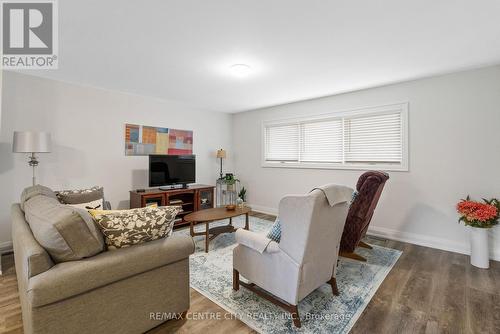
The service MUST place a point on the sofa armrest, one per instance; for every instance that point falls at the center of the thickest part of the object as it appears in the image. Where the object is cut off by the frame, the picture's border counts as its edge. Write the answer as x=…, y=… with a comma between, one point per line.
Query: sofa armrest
x=255, y=241
x=31, y=258
x=68, y=279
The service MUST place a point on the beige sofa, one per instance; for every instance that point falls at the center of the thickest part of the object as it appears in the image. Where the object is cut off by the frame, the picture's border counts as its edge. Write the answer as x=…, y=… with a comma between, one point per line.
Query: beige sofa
x=119, y=291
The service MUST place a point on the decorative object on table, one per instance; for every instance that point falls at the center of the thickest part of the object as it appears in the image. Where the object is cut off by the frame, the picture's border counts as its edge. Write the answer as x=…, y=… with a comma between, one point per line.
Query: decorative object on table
x=242, y=197
x=231, y=207
x=227, y=190
x=210, y=215
x=231, y=181
x=31, y=142
x=146, y=140
x=479, y=217
x=221, y=154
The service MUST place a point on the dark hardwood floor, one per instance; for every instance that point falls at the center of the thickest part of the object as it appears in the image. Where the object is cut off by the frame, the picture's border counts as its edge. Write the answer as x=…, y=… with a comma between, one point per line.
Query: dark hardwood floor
x=427, y=291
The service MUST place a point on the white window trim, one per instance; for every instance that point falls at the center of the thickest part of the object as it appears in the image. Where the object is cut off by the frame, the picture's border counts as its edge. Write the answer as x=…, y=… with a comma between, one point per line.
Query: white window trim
x=403, y=166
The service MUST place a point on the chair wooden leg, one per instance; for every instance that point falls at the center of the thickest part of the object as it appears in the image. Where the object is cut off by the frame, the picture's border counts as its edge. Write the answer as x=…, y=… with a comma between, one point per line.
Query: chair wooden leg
x=364, y=245
x=353, y=256
x=207, y=236
x=247, y=225
x=236, y=280
x=335, y=289
x=294, y=310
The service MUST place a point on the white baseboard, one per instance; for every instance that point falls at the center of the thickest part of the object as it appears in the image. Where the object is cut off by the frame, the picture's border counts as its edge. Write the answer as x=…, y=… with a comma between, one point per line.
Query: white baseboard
x=427, y=241
x=418, y=239
x=412, y=238
x=263, y=209
x=5, y=247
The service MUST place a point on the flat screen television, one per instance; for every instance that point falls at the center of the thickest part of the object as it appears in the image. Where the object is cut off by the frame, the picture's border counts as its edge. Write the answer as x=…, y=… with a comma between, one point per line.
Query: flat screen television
x=167, y=170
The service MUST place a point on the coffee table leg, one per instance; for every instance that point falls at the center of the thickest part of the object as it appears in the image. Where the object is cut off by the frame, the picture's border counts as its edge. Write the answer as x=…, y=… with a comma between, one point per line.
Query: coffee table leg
x=230, y=221
x=247, y=227
x=191, y=229
x=207, y=237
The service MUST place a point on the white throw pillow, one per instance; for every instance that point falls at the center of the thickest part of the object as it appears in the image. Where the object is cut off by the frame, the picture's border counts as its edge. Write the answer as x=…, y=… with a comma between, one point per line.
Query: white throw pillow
x=92, y=205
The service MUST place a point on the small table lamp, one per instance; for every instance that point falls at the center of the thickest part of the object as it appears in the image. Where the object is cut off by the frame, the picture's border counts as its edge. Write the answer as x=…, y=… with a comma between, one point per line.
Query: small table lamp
x=221, y=154
x=31, y=142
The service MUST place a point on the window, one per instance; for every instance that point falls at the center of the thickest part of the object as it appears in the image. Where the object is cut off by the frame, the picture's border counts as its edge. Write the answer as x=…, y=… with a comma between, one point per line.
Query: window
x=371, y=138
x=282, y=143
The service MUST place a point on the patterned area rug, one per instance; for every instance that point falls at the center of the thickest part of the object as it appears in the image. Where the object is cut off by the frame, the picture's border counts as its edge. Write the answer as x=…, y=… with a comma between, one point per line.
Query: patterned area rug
x=320, y=312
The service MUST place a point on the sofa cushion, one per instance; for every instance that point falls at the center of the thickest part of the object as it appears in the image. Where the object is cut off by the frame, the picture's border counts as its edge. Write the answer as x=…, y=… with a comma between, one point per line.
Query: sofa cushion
x=72, y=278
x=93, y=197
x=124, y=228
x=66, y=233
x=31, y=258
x=31, y=192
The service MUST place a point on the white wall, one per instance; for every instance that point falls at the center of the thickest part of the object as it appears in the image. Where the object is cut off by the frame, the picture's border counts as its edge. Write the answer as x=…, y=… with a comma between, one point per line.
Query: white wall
x=1, y=76
x=87, y=125
x=454, y=123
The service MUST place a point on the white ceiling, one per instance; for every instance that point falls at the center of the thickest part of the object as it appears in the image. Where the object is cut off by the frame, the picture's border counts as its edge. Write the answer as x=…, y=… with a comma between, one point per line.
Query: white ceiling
x=182, y=50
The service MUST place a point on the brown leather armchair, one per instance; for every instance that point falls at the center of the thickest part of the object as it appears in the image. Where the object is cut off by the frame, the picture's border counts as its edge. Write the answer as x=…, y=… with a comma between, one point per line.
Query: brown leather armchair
x=369, y=187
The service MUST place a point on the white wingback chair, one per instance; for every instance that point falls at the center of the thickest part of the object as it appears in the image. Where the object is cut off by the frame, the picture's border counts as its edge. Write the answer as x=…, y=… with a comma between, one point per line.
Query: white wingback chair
x=305, y=258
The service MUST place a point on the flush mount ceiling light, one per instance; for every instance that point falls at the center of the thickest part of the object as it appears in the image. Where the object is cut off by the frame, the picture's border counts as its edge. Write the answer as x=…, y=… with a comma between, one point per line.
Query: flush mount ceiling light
x=240, y=70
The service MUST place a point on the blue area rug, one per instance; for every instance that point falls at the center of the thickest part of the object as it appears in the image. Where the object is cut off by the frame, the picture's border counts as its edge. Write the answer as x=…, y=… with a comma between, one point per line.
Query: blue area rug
x=320, y=312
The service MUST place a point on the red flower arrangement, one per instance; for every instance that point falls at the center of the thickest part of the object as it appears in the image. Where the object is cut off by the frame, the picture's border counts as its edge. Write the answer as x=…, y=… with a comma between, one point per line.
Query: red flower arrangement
x=476, y=214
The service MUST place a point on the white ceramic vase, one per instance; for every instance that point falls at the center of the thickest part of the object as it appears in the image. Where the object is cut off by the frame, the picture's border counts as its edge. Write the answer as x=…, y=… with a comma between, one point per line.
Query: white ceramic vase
x=479, y=250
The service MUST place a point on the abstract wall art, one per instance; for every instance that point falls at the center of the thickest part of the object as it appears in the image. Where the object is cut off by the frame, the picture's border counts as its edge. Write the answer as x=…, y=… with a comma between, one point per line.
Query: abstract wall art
x=146, y=140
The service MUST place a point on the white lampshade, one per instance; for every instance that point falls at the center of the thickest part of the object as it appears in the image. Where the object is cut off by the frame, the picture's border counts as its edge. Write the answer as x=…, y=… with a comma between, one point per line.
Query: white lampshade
x=31, y=142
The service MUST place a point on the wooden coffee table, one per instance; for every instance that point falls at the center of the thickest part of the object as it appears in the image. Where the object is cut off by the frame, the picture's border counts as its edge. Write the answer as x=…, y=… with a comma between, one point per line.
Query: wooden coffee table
x=209, y=215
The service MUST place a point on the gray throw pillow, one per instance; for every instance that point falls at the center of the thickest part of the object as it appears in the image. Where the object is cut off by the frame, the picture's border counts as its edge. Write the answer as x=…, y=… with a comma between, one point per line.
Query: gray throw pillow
x=65, y=232
x=35, y=191
x=79, y=196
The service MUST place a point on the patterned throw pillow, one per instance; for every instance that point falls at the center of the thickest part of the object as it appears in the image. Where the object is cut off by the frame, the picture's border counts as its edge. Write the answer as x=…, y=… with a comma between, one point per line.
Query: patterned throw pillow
x=82, y=196
x=355, y=194
x=275, y=231
x=124, y=228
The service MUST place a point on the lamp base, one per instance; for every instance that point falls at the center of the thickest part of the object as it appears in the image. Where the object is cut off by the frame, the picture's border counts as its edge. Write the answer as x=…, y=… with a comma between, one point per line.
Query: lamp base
x=33, y=162
x=220, y=168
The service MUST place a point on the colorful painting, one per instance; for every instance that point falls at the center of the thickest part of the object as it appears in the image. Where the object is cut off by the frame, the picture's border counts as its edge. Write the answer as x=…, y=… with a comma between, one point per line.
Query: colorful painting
x=146, y=140
x=180, y=142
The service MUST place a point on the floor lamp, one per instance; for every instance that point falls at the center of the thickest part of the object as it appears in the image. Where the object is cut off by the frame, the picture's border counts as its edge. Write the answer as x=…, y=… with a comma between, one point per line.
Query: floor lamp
x=221, y=154
x=31, y=142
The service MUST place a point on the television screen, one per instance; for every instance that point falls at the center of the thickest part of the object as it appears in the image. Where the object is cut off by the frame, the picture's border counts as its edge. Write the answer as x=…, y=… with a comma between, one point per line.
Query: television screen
x=171, y=169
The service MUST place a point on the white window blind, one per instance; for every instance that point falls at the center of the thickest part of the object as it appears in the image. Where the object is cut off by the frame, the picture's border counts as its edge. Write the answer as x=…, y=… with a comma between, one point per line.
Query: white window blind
x=282, y=142
x=321, y=141
x=373, y=139
x=360, y=139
